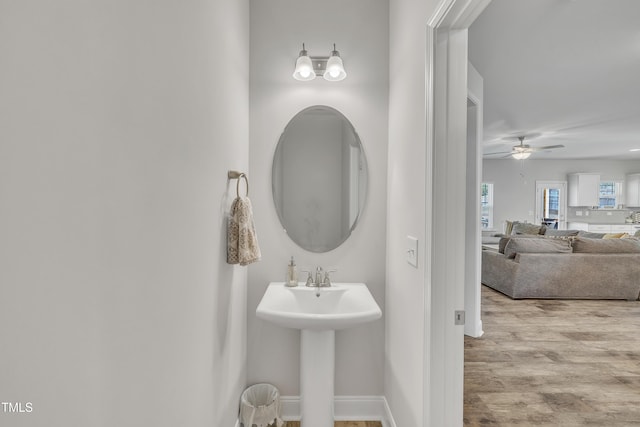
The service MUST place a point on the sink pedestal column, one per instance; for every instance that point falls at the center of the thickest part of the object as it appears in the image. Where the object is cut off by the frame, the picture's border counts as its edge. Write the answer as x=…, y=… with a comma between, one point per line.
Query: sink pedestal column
x=317, y=370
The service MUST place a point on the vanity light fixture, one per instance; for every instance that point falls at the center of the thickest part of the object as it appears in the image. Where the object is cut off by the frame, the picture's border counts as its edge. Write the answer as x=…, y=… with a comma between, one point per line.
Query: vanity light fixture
x=304, y=67
x=329, y=67
x=334, y=71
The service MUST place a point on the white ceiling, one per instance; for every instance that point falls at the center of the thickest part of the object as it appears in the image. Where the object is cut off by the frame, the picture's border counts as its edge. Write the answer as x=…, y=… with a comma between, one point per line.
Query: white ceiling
x=567, y=70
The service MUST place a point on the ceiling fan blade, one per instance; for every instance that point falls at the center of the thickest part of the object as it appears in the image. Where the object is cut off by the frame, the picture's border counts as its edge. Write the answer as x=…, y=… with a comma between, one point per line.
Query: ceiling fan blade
x=499, y=152
x=547, y=147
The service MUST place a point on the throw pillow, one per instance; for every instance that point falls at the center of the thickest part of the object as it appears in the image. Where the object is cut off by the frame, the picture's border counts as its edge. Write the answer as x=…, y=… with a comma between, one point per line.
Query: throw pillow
x=590, y=235
x=606, y=246
x=508, y=228
x=525, y=228
x=615, y=235
x=518, y=245
x=551, y=232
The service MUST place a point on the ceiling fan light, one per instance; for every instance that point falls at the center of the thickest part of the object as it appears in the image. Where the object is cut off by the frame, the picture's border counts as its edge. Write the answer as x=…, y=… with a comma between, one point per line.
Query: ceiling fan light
x=521, y=155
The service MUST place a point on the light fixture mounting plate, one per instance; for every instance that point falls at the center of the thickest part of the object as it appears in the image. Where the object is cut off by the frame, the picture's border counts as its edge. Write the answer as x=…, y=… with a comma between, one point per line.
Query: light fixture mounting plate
x=319, y=64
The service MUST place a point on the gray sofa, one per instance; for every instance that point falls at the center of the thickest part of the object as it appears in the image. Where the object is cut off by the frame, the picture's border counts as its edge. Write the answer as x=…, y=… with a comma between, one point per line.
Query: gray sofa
x=577, y=268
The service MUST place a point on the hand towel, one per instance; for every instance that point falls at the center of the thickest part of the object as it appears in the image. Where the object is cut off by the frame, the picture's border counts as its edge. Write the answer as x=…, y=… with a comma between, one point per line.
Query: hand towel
x=242, y=242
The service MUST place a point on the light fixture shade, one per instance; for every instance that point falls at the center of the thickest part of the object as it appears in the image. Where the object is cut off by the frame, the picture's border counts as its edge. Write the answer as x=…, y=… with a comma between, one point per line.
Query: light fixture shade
x=521, y=155
x=334, y=71
x=304, y=67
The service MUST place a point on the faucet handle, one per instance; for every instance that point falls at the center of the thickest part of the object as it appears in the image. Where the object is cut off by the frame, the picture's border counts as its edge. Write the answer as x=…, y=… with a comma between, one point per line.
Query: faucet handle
x=309, y=277
x=327, y=279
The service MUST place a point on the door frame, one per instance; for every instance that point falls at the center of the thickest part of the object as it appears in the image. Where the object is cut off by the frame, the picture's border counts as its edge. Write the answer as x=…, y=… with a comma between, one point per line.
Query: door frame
x=562, y=220
x=473, y=235
x=446, y=101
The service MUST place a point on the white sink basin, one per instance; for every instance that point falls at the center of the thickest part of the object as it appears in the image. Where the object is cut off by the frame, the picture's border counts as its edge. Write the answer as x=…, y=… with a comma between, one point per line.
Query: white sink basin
x=339, y=306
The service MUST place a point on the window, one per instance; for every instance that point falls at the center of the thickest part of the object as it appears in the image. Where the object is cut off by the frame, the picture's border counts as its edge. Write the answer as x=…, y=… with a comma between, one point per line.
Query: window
x=610, y=194
x=486, y=202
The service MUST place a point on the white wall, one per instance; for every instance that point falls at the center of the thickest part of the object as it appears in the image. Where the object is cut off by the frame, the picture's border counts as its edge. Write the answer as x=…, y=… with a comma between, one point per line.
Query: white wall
x=515, y=181
x=360, y=30
x=117, y=127
x=406, y=286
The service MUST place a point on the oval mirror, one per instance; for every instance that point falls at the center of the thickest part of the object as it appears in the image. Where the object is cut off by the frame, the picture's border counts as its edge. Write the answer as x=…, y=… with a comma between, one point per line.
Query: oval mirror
x=319, y=178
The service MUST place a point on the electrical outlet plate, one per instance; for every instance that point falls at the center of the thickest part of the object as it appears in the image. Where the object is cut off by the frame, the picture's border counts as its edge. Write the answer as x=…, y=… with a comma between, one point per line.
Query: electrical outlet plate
x=412, y=251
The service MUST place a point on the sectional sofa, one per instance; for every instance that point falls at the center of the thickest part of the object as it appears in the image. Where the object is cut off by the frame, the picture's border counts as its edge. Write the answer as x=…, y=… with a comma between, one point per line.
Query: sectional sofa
x=528, y=266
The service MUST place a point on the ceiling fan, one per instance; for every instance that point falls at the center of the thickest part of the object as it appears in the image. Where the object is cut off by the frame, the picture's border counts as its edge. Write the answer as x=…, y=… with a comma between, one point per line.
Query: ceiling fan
x=523, y=151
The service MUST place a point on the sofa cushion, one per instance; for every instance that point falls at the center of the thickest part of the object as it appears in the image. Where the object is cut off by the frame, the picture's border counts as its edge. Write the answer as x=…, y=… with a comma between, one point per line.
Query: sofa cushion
x=502, y=243
x=517, y=245
x=526, y=228
x=490, y=240
x=590, y=235
x=551, y=232
x=504, y=240
x=606, y=246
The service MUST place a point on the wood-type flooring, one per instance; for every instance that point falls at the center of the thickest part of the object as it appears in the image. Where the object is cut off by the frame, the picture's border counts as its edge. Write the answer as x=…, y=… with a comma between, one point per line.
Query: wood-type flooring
x=342, y=424
x=554, y=363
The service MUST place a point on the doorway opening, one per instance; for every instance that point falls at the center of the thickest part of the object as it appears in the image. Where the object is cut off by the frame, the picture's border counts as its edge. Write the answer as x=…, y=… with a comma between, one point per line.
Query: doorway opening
x=551, y=204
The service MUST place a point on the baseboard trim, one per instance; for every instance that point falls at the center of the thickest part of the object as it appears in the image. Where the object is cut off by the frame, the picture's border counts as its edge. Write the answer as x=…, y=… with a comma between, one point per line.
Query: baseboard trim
x=389, y=421
x=290, y=408
x=346, y=408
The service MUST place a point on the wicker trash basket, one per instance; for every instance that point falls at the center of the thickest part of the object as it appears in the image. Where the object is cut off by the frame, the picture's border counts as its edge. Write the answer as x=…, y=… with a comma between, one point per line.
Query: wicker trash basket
x=260, y=406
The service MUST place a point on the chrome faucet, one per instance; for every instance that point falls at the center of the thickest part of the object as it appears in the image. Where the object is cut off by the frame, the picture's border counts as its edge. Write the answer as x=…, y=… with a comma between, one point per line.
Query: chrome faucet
x=321, y=280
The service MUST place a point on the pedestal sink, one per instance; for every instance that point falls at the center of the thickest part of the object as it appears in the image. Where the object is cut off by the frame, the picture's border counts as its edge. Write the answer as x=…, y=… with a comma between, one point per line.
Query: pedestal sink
x=340, y=306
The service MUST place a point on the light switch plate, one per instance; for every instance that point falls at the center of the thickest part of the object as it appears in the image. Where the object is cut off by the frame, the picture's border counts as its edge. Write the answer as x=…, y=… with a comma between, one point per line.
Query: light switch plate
x=412, y=251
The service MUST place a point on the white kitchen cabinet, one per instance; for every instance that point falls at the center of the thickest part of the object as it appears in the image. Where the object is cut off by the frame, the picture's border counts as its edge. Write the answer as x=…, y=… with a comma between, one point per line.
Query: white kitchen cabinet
x=633, y=229
x=604, y=228
x=584, y=189
x=600, y=228
x=617, y=228
x=578, y=226
x=632, y=197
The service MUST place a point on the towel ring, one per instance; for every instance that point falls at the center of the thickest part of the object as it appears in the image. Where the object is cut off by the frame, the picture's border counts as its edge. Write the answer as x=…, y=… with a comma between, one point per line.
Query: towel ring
x=246, y=185
x=238, y=175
